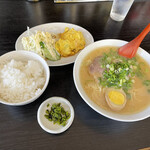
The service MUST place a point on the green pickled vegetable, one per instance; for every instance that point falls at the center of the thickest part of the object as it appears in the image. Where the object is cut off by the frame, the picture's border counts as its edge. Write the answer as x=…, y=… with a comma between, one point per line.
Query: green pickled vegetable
x=50, y=54
x=57, y=114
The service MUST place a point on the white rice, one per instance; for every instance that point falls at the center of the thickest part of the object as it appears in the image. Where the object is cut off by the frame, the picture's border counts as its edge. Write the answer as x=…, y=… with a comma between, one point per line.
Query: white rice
x=20, y=81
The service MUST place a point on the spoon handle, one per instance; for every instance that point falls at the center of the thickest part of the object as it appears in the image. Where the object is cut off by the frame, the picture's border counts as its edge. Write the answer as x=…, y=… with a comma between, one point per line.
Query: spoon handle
x=137, y=41
x=141, y=36
x=129, y=50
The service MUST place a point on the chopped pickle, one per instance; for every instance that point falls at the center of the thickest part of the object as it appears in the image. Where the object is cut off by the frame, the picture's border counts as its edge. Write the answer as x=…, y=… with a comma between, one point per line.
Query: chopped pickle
x=57, y=114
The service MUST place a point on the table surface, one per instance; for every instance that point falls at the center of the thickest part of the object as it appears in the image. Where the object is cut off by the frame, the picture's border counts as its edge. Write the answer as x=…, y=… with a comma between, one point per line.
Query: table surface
x=19, y=129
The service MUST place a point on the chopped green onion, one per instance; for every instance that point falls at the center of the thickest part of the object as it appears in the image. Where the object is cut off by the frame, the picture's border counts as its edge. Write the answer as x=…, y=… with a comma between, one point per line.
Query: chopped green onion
x=119, y=71
x=146, y=82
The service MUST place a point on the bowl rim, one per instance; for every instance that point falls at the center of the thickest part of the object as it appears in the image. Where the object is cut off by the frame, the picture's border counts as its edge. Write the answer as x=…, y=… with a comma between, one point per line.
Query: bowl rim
x=114, y=116
x=47, y=75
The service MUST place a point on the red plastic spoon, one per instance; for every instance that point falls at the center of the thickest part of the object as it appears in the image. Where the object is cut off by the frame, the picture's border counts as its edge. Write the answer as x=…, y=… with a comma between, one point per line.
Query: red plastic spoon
x=129, y=50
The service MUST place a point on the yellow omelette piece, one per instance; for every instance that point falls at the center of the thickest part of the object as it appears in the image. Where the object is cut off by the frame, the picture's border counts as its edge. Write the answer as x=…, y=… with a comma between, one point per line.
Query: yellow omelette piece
x=70, y=42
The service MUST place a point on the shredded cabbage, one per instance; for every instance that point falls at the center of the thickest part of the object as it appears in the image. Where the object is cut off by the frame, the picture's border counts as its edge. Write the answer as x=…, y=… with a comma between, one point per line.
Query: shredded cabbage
x=32, y=43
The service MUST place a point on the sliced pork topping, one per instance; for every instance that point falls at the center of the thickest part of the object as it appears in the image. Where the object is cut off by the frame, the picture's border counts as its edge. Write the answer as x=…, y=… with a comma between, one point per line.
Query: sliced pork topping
x=95, y=67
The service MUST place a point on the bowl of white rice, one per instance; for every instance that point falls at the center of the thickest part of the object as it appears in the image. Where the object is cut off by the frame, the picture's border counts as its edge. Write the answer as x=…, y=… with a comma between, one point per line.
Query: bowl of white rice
x=24, y=76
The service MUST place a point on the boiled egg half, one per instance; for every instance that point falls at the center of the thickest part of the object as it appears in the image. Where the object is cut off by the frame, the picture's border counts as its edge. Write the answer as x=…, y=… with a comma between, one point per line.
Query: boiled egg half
x=115, y=98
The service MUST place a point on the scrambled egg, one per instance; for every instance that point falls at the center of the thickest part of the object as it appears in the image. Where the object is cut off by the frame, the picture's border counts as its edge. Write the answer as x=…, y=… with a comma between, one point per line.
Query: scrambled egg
x=70, y=42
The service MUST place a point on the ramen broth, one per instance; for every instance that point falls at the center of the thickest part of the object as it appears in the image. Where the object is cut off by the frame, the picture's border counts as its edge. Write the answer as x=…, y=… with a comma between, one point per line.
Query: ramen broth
x=139, y=92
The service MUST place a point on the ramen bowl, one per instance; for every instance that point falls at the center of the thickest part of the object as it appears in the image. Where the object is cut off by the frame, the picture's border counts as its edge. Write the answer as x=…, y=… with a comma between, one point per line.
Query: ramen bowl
x=143, y=114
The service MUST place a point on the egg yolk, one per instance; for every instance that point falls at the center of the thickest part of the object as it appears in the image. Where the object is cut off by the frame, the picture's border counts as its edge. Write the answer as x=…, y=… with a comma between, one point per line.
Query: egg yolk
x=116, y=97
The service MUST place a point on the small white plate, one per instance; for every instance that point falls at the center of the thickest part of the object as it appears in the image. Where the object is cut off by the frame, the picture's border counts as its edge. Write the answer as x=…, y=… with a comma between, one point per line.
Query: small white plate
x=47, y=125
x=57, y=28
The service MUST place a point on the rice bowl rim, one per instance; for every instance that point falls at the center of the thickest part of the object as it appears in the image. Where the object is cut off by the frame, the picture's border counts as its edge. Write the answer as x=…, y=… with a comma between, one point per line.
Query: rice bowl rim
x=27, y=55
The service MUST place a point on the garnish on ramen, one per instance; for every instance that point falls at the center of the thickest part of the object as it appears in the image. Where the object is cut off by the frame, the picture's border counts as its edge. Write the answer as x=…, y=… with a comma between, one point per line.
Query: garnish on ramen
x=114, y=82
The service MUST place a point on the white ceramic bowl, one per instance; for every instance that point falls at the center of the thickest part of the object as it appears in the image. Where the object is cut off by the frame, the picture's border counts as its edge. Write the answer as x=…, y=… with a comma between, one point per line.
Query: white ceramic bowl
x=25, y=56
x=47, y=125
x=110, y=42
